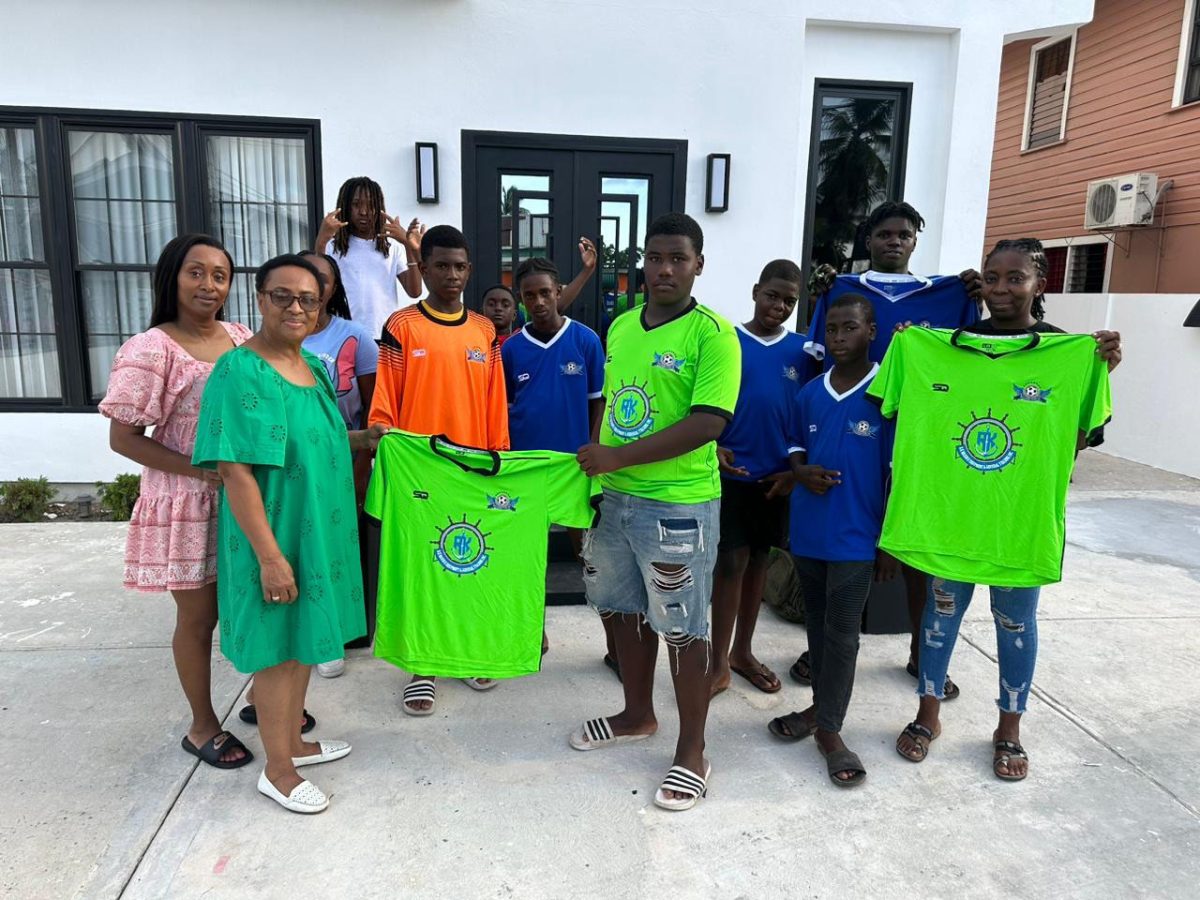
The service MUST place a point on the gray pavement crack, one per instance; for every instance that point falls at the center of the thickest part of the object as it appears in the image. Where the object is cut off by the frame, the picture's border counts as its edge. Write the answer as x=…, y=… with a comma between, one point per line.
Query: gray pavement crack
x=1067, y=713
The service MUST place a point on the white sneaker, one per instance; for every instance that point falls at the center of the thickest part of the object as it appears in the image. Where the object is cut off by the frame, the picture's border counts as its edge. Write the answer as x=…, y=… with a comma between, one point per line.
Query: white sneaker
x=332, y=669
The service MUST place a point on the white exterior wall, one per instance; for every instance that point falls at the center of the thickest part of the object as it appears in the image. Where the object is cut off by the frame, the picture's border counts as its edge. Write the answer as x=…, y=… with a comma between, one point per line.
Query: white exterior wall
x=1154, y=388
x=733, y=77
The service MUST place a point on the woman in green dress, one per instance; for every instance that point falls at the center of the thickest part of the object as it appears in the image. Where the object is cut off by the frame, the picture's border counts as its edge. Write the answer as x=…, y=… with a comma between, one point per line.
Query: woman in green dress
x=289, y=585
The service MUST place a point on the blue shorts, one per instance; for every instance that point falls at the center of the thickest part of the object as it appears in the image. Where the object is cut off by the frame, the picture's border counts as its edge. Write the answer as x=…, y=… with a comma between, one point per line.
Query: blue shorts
x=653, y=559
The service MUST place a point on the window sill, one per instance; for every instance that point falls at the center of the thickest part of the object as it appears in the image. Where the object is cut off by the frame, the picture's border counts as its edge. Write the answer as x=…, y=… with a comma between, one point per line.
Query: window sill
x=1057, y=143
x=1186, y=105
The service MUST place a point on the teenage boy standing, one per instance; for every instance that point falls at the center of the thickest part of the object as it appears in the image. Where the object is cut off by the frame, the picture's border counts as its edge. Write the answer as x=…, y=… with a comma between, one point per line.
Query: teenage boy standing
x=671, y=384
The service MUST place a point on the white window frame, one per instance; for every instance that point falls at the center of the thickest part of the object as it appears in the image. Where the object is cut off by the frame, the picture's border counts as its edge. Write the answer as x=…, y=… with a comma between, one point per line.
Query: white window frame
x=1079, y=241
x=1185, y=44
x=1073, y=36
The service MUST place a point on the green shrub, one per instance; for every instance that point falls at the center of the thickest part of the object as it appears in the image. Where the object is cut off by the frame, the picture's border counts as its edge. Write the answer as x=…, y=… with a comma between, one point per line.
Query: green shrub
x=119, y=496
x=26, y=499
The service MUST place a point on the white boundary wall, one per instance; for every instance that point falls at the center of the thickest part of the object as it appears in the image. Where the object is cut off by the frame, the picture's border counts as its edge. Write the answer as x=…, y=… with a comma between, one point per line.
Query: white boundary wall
x=1156, y=389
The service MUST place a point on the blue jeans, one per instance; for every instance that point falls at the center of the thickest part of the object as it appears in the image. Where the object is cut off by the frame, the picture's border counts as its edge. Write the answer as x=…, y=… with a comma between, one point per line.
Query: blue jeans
x=1015, y=612
x=654, y=560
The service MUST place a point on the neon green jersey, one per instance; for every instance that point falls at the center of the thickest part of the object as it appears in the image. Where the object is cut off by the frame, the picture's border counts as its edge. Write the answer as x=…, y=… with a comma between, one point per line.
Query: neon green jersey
x=657, y=376
x=986, y=429
x=462, y=557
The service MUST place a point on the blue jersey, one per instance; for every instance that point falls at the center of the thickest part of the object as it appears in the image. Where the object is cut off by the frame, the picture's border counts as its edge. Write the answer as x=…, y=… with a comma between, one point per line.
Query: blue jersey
x=772, y=372
x=549, y=385
x=847, y=433
x=937, y=302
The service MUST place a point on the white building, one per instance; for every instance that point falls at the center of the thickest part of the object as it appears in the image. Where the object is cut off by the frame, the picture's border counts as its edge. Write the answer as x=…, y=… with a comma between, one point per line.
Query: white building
x=127, y=122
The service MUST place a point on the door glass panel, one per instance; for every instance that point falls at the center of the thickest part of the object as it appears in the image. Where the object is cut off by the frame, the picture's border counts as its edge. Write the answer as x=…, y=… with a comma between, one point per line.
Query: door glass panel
x=624, y=216
x=525, y=222
x=28, y=348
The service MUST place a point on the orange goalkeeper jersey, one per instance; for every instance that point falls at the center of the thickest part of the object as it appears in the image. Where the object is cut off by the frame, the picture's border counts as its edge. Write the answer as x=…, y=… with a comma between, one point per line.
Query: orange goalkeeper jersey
x=442, y=376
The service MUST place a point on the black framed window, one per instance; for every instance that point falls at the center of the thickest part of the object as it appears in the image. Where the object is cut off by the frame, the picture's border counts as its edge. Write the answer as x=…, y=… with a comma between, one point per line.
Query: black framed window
x=1191, y=75
x=857, y=158
x=87, y=201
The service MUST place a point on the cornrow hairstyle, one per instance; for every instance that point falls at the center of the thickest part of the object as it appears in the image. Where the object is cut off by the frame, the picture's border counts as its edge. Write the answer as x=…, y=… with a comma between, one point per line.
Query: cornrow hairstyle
x=445, y=236
x=338, y=305
x=677, y=223
x=1032, y=248
x=345, y=202
x=166, y=275
x=893, y=210
x=283, y=261
x=855, y=301
x=783, y=269
x=535, y=265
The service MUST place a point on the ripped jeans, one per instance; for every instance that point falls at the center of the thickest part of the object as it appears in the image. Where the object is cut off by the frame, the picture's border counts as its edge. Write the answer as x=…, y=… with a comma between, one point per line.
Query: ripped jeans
x=1015, y=612
x=656, y=560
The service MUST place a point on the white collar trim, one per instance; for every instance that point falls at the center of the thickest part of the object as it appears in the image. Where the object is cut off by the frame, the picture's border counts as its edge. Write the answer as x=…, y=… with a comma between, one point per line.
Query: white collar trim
x=546, y=345
x=766, y=342
x=922, y=283
x=840, y=397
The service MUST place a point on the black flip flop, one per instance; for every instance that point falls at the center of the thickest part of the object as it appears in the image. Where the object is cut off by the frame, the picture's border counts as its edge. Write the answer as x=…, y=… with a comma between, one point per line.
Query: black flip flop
x=249, y=715
x=845, y=761
x=776, y=727
x=615, y=666
x=950, y=689
x=211, y=753
x=801, y=671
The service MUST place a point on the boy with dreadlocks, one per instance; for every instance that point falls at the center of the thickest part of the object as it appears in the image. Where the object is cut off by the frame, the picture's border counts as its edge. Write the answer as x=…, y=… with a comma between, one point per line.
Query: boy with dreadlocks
x=367, y=246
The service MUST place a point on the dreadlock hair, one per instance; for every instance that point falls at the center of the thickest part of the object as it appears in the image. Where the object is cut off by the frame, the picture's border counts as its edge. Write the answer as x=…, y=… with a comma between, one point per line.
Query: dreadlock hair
x=893, y=210
x=855, y=301
x=783, y=269
x=445, y=236
x=677, y=223
x=535, y=265
x=166, y=275
x=338, y=305
x=345, y=202
x=1032, y=248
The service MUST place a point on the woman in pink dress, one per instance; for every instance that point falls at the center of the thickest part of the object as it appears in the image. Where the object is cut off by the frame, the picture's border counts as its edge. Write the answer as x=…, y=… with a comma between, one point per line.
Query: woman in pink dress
x=156, y=382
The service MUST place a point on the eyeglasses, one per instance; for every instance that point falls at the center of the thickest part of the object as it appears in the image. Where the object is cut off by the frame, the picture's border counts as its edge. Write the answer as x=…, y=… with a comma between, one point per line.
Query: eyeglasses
x=284, y=298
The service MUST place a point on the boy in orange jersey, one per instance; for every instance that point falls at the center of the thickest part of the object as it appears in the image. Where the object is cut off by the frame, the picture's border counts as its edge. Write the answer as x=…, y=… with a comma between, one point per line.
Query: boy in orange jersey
x=440, y=373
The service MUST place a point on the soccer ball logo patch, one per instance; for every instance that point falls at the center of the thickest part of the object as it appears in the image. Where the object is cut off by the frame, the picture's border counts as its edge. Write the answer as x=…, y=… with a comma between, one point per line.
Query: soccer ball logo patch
x=669, y=361
x=863, y=428
x=1031, y=392
x=502, y=501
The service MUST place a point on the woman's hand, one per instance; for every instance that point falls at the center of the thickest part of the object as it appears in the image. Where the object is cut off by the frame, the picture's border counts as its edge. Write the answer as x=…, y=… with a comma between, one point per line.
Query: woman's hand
x=1108, y=346
x=368, y=438
x=210, y=477
x=278, y=582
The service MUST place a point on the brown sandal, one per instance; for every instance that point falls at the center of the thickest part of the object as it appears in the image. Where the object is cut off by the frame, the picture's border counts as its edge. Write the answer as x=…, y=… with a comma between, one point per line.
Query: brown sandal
x=921, y=736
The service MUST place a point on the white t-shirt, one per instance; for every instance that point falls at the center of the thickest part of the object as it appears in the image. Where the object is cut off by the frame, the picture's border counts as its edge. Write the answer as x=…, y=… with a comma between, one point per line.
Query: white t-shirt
x=370, y=281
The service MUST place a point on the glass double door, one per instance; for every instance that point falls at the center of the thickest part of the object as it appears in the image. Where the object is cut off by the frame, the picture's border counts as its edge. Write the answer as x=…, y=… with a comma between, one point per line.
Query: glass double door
x=541, y=200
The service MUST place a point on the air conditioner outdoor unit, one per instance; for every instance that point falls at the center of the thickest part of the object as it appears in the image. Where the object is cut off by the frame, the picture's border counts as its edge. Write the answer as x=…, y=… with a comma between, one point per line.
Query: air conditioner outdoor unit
x=1121, y=201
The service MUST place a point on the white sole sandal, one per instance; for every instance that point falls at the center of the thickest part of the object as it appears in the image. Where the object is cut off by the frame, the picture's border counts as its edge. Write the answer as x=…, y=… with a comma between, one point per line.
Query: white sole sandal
x=596, y=733
x=305, y=797
x=480, y=684
x=683, y=781
x=330, y=750
x=419, y=690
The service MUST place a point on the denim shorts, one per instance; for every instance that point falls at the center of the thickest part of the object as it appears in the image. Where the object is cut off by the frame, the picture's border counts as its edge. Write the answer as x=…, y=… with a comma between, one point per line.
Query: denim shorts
x=653, y=559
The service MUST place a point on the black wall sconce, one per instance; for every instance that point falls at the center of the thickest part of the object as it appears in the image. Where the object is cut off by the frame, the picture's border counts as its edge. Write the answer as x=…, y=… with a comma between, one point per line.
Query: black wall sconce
x=1193, y=318
x=427, y=172
x=716, y=183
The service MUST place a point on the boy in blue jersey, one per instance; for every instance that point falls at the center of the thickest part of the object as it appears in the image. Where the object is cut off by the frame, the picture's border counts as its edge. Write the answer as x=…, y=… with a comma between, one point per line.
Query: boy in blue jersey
x=897, y=297
x=841, y=450
x=755, y=476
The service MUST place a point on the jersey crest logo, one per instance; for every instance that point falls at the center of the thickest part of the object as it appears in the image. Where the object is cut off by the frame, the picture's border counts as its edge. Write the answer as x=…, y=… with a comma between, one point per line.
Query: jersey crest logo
x=863, y=428
x=571, y=368
x=461, y=548
x=1031, y=392
x=987, y=443
x=502, y=501
x=791, y=373
x=631, y=411
x=669, y=361
x=475, y=355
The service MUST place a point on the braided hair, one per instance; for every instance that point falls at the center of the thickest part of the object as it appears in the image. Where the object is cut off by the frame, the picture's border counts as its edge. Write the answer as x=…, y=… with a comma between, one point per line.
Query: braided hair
x=1033, y=249
x=338, y=305
x=345, y=202
x=892, y=210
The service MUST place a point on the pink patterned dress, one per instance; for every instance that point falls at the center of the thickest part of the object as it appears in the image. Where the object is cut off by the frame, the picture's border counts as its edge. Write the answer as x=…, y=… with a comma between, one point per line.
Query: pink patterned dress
x=172, y=543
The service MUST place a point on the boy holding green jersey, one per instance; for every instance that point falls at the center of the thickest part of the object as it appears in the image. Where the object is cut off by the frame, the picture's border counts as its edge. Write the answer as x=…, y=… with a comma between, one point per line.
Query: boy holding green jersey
x=670, y=384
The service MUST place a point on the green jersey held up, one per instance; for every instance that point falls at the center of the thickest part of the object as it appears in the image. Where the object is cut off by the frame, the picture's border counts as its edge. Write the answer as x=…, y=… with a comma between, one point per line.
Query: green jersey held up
x=462, y=557
x=986, y=429
x=658, y=375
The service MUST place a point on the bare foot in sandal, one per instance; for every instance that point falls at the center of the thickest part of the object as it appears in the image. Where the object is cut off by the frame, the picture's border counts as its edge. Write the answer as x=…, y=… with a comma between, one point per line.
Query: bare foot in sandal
x=1010, y=762
x=913, y=742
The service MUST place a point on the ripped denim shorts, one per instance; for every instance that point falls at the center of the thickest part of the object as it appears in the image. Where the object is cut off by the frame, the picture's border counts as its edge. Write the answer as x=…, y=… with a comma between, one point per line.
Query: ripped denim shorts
x=653, y=559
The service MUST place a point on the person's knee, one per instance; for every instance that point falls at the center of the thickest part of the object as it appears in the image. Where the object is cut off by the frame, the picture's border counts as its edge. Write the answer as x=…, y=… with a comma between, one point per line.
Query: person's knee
x=731, y=564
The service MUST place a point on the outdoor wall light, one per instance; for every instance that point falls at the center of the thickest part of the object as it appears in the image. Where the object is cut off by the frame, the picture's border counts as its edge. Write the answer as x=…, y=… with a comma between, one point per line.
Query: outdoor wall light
x=716, y=186
x=427, y=172
x=1193, y=318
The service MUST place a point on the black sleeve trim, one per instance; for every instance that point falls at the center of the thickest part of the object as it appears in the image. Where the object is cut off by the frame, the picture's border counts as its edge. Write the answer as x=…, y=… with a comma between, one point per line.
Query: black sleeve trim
x=714, y=410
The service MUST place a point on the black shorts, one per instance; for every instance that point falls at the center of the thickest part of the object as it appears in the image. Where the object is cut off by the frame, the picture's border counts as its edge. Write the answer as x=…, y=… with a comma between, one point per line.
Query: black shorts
x=749, y=519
